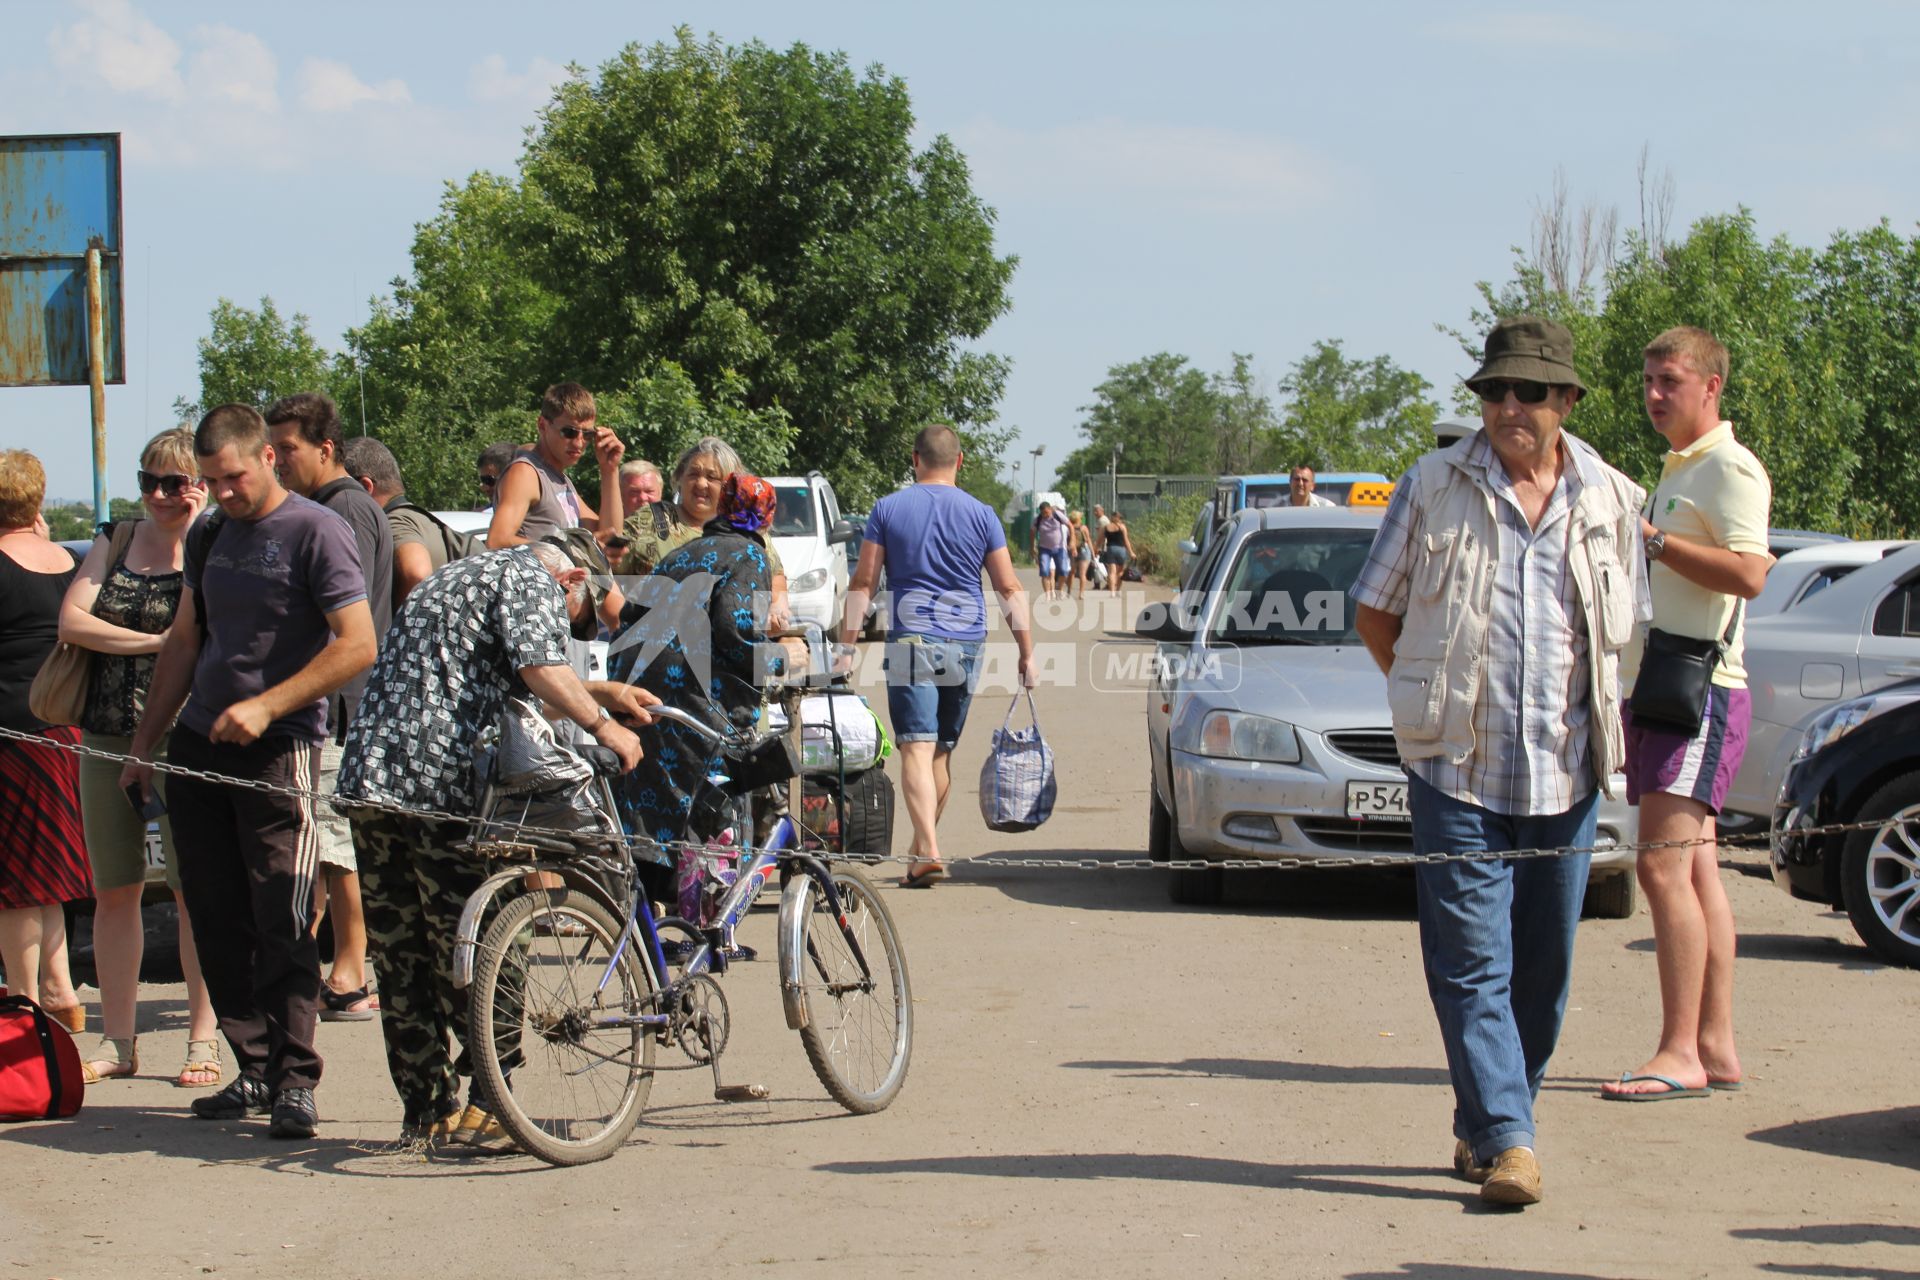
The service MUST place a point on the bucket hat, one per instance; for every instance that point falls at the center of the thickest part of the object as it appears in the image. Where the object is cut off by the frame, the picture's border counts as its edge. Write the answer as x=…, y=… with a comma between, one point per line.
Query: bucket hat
x=1530, y=348
x=585, y=553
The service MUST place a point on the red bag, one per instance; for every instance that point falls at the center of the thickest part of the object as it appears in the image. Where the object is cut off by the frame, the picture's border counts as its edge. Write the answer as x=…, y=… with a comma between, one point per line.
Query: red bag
x=39, y=1067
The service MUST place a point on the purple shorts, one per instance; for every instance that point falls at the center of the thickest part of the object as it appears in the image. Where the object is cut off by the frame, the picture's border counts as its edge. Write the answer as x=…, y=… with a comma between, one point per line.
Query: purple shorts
x=1700, y=767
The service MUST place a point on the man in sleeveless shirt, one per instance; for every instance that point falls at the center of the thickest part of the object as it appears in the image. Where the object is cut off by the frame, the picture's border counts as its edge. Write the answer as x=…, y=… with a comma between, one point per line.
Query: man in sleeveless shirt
x=534, y=498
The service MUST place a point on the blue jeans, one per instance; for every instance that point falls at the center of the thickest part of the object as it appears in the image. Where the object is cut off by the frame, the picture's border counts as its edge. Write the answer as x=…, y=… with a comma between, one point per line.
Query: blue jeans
x=1053, y=562
x=1497, y=941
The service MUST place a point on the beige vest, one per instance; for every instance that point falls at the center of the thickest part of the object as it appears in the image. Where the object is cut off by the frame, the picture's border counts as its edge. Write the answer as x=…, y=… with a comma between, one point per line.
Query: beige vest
x=1437, y=661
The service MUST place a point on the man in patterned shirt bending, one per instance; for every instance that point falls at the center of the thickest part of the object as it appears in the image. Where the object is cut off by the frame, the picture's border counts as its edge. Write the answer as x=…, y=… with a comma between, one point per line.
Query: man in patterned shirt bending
x=479, y=631
x=1498, y=596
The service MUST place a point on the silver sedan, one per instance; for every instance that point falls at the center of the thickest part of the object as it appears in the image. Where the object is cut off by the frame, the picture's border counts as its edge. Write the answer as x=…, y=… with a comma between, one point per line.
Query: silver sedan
x=1267, y=721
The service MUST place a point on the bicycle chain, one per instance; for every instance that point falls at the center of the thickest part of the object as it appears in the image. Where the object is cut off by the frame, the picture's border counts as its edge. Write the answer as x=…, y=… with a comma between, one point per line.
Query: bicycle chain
x=1280, y=863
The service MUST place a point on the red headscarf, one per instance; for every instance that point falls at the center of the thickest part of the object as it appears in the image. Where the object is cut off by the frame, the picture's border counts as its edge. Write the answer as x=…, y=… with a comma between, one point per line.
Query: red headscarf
x=746, y=503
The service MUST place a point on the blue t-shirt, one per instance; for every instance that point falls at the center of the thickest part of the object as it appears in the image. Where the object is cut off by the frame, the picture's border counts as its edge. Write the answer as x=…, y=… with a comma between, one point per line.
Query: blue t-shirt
x=937, y=538
x=269, y=585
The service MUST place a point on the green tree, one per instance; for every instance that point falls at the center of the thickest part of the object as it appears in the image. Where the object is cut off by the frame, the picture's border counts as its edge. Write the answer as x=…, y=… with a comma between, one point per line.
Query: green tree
x=1868, y=298
x=1356, y=415
x=254, y=357
x=712, y=238
x=1163, y=413
x=1248, y=437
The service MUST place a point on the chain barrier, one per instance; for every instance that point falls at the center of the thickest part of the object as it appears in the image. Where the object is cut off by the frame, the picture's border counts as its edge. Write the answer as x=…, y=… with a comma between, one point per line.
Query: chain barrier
x=1331, y=862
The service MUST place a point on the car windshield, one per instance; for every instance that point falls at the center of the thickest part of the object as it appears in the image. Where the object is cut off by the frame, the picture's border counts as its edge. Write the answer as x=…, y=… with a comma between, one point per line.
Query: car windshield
x=793, y=512
x=1289, y=586
x=1260, y=496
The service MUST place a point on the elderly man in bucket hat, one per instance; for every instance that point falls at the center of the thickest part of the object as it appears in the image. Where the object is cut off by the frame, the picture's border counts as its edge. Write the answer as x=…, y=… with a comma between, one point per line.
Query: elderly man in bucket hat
x=1499, y=594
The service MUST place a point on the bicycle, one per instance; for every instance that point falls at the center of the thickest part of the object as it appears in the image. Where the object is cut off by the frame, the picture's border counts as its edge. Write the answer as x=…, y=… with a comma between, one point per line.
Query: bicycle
x=573, y=992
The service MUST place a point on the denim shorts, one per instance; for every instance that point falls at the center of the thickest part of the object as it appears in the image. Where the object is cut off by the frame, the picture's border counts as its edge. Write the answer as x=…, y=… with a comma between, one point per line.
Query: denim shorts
x=930, y=684
x=1053, y=562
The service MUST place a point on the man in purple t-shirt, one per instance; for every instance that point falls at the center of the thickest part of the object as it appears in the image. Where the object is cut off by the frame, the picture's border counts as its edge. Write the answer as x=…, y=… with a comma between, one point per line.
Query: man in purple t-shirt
x=279, y=588
x=933, y=540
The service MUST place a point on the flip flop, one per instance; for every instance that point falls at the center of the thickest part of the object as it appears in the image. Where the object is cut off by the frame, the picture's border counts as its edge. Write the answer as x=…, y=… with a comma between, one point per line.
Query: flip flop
x=1674, y=1089
x=925, y=878
x=1726, y=1086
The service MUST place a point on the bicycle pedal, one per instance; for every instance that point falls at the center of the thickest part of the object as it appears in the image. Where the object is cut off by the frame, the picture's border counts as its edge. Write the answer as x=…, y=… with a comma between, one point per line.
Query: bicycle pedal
x=740, y=1093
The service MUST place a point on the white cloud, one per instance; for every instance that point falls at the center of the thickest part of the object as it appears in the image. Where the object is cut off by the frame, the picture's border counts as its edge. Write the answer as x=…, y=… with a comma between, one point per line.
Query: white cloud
x=235, y=67
x=326, y=85
x=490, y=81
x=1198, y=168
x=123, y=48
x=1533, y=31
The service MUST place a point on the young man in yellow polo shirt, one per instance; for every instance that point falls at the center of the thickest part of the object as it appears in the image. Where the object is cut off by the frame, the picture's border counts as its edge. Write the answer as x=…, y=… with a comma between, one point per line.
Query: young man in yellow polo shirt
x=1706, y=545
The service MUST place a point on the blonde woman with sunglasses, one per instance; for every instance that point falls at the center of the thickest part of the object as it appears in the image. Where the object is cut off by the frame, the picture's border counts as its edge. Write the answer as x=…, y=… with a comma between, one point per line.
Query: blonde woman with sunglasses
x=120, y=608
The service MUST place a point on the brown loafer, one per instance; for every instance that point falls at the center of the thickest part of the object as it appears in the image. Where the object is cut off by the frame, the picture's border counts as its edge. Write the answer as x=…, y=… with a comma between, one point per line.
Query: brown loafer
x=1465, y=1166
x=1514, y=1178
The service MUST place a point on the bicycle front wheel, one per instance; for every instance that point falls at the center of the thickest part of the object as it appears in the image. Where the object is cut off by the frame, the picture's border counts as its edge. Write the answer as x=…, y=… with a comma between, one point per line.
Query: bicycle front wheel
x=858, y=1029
x=554, y=1027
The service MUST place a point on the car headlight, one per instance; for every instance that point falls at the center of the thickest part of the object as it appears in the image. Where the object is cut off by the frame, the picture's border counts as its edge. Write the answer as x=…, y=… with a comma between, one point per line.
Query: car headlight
x=1841, y=719
x=1238, y=735
x=811, y=580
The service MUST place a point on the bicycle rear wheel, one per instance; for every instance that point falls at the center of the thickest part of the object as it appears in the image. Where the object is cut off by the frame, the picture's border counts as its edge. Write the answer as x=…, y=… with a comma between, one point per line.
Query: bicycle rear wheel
x=858, y=1030
x=554, y=1035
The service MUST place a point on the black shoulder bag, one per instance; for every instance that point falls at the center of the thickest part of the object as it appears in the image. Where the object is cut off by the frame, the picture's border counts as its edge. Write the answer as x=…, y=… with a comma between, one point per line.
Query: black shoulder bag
x=1670, y=692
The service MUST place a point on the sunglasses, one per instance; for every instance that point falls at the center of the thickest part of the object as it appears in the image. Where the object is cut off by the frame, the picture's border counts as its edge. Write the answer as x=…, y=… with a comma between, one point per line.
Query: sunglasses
x=1525, y=390
x=574, y=433
x=487, y=482
x=166, y=486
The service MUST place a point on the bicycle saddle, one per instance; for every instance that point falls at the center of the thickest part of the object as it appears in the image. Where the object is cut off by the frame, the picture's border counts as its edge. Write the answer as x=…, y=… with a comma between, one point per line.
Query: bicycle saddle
x=603, y=760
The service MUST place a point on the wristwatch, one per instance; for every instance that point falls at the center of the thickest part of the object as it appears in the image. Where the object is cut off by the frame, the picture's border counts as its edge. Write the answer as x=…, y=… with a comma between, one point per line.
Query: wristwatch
x=1655, y=544
x=601, y=719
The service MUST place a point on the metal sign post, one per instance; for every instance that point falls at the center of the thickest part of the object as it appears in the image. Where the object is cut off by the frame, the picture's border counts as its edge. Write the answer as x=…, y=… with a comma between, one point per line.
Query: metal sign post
x=61, y=272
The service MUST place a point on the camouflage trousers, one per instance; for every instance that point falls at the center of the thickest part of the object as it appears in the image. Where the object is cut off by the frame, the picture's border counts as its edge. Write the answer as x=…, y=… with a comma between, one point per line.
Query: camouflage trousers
x=413, y=883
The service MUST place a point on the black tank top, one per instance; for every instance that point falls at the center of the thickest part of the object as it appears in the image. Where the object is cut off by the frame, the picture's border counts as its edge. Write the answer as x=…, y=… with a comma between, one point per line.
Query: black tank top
x=29, y=627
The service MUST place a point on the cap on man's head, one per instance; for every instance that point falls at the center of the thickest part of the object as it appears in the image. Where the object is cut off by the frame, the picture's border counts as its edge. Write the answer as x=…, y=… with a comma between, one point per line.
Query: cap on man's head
x=1532, y=349
x=585, y=553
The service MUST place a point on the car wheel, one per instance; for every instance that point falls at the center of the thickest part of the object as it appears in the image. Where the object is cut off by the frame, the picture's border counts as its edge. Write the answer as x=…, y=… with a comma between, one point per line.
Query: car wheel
x=1611, y=897
x=1880, y=873
x=1190, y=887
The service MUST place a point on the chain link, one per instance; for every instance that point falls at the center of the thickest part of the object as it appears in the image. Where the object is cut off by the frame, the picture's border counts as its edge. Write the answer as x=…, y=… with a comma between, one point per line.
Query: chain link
x=1279, y=863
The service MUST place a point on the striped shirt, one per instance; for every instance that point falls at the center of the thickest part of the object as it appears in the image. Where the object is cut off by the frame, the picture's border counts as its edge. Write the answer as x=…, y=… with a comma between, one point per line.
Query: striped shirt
x=1530, y=718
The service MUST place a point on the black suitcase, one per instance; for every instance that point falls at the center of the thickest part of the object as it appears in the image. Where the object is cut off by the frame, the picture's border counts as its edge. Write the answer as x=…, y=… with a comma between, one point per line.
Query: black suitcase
x=868, y=829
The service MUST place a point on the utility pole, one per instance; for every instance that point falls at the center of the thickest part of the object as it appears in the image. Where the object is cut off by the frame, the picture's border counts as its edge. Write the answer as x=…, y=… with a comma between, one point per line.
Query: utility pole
x=1033, y=491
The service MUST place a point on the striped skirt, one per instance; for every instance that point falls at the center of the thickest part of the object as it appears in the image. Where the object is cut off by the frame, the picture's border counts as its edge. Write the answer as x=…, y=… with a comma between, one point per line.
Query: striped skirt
x=43, y=852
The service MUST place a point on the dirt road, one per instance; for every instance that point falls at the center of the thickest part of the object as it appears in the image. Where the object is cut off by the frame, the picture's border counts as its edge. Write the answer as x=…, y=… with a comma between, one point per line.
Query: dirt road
x=1102, y=1084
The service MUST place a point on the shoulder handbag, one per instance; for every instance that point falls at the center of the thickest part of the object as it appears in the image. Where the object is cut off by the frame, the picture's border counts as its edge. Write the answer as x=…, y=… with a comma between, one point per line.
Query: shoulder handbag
x=58, y=694
x=1670, y=693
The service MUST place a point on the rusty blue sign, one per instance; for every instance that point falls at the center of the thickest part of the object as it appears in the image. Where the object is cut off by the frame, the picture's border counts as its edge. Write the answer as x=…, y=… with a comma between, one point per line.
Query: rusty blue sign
x=59, y=197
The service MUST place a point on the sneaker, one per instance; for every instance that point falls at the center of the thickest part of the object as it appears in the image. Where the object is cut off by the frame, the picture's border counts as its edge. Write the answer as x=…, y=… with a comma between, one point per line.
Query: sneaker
x=1464, y=1164
x=481, y=1133
x=1513, y=1179
x=294, y=1115
x=247, y=1096
x=434, y=1133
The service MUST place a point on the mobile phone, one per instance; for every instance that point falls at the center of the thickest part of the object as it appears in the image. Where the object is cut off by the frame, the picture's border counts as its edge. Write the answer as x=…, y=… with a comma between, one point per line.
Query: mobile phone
x=148, y=807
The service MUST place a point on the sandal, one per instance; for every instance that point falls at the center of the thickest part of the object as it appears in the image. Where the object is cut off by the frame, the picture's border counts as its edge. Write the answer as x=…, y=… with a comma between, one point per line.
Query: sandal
x=357, y=1005
x=203, y=1059
x=119, y=1057
x=924, y=876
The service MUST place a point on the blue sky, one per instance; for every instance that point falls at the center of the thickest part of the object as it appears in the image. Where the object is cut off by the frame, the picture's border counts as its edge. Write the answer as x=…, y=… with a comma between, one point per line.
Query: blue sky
x=1198, y=178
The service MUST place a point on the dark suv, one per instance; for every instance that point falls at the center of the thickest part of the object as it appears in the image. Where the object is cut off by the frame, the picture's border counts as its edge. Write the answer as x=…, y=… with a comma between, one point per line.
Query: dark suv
x=1858, y=761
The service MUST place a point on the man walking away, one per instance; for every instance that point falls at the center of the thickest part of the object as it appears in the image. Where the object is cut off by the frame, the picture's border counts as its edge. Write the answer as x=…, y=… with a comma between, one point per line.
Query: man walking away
x=422, y=545
x=274, y=618
x=933, y=540
x=1707, y=548
x=309, y=457
x=534, y=497
x=1497, y=599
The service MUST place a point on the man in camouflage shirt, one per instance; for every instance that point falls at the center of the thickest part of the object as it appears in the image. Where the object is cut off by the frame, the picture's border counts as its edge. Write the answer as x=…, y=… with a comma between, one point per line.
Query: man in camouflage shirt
x=480, y=631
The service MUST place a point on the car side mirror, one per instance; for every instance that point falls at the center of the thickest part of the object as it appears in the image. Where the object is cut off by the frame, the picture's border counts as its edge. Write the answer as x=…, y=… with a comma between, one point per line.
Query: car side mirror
x=842, y=532
x=1188, y=547
x=1161, y=621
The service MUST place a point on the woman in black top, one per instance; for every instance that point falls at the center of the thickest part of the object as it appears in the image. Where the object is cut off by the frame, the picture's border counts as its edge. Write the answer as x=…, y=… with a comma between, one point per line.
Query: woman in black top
x=1118, y=551
x=43, y=857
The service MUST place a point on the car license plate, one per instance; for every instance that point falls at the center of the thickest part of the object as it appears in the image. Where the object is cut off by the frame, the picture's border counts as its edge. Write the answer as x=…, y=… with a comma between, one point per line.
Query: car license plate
x=1377, y=800
x=156, y=856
